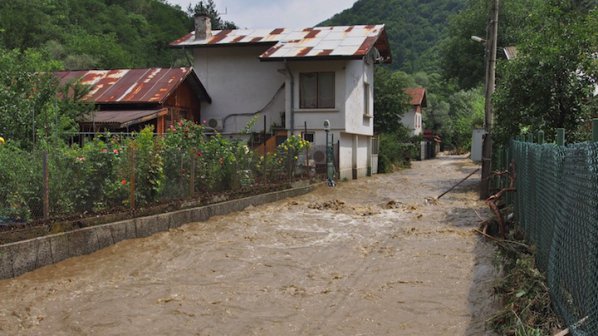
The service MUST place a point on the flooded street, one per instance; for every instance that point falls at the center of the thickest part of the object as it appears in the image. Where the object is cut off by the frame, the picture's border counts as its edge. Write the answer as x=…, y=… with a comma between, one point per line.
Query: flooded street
x=369, y=257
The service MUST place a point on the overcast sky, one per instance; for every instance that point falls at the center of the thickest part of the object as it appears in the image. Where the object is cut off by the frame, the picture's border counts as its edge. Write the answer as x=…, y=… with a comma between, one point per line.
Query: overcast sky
x=275, y=13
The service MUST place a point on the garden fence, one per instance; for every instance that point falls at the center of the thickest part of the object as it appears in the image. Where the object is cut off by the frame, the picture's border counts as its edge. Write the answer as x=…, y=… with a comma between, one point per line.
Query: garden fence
x=556, y=205
x=112, y=176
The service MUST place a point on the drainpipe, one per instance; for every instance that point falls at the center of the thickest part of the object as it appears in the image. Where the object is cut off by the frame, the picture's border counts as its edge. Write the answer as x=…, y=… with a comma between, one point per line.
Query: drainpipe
x=291, y=112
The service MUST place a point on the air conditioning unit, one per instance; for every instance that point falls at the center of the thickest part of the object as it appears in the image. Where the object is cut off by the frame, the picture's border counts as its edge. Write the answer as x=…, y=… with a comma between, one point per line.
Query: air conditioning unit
x=320, y=156
x=216, y=124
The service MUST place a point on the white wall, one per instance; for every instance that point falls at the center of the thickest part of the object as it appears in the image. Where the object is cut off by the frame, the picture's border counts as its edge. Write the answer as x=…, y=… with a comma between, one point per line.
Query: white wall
x=239, y=83
x=357, y=73
x=315, y=117
x=409, y=121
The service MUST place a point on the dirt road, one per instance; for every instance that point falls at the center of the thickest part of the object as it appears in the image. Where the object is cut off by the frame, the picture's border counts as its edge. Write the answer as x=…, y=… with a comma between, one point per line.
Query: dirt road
x=369, y=257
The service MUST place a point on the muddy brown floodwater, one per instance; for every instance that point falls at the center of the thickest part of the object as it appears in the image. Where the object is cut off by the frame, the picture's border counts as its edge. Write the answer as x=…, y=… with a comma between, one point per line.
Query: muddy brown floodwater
x=369, y=257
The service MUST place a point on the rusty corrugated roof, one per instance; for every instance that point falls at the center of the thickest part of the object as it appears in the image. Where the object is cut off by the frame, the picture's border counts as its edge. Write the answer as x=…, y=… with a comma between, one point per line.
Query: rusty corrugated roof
x=510, y=52
x=317, y=42
x=151, y=85
x=418, y=96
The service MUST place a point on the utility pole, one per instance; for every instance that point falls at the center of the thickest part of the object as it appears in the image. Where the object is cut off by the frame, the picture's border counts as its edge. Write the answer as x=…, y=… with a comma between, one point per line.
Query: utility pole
x=491, y=41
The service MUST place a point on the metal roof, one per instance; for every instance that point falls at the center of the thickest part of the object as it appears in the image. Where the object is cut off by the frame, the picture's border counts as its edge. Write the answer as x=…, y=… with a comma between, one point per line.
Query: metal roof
x=151, y=85
x=510, y=52
x=122, y=119
x=417, y=95
x=318, y=42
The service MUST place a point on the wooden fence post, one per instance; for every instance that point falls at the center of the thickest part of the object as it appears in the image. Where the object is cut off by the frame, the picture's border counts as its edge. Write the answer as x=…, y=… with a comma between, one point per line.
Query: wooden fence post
x=132, y=171
x=560, y=136
x=46, y=186
x=192, y=176
x=541, y=137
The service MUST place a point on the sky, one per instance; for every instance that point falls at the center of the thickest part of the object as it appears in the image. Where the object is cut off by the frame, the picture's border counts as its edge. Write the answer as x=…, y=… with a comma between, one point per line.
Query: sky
x=275, y=13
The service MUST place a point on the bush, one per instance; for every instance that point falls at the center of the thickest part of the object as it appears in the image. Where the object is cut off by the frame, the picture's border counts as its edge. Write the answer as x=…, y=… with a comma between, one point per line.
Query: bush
x=396, y=151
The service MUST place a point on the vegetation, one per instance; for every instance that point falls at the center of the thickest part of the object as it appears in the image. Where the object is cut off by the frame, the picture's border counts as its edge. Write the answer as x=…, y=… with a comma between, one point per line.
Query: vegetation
x=552, y=81
x=84, y=34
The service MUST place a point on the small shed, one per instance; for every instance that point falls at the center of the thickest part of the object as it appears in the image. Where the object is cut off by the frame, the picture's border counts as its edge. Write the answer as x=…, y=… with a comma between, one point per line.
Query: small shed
x=129, y=99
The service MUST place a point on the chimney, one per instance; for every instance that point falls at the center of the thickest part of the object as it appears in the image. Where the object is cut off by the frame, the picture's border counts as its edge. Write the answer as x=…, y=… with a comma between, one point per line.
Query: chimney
x=203, y=27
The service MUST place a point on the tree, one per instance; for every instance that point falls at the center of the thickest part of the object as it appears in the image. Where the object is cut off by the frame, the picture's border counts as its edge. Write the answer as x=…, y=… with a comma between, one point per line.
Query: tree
x=551, y=82
x=462, y=59
x=33, y=109
x=209, y=8
x=390, y=101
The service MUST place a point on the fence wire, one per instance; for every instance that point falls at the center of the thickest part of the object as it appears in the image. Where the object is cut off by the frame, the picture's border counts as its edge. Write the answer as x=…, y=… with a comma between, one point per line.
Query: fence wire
x=556, y=205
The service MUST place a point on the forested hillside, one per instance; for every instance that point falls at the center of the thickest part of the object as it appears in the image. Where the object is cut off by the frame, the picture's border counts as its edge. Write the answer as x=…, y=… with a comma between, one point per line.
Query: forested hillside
x=95, y=33
x=414, y=27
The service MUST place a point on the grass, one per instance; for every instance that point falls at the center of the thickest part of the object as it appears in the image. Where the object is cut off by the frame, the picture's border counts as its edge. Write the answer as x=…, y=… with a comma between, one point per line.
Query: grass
x=527, y=309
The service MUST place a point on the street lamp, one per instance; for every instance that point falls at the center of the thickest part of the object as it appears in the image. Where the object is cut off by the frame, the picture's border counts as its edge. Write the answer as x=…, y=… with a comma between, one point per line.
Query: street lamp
x=490, y=44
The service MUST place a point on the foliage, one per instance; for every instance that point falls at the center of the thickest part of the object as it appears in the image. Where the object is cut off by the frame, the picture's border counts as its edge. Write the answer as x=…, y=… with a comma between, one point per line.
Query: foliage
x=144, y=159
x=414, y=28
x=466, y=112
x=396, y=150
x=528, y=310
x=31, y=108
x=95, y=33
x=390, y=101
x=209, y=8
x=551, y=82
x=20, y=183
x=462, y=59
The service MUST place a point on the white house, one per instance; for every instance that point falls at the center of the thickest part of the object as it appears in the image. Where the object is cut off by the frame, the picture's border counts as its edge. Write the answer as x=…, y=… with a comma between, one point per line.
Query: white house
x=296, y=78
x=412, y=119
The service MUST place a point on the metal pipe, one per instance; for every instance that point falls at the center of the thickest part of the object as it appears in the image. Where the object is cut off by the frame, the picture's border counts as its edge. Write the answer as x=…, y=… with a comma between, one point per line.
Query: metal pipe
x=291, y=112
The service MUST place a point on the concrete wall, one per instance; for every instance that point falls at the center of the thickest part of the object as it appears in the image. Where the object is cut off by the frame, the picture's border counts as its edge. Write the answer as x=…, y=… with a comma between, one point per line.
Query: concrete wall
x=239, y=83
x=21, y=257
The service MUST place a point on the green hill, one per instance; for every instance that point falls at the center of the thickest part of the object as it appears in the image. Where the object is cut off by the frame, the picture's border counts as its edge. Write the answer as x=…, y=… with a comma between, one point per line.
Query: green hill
x=414, y=27
x=95, y=33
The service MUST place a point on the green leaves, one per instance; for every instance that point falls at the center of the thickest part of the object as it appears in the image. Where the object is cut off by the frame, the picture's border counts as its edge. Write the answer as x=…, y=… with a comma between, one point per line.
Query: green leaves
x=551, y=82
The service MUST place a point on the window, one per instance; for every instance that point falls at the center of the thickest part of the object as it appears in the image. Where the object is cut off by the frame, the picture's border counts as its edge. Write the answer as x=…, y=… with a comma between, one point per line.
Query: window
x=316, y=90
x=309, y=136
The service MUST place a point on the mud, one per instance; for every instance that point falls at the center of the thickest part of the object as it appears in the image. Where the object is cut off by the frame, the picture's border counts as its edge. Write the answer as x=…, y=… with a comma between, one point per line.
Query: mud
x=375, y=256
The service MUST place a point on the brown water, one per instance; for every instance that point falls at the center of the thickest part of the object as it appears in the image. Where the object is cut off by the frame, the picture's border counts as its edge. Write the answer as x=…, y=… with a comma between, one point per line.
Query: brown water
x=369, y=257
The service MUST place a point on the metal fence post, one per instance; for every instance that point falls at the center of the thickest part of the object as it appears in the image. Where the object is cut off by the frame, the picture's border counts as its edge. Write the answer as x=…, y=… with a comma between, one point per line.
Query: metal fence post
x=46, y=186
x=595, y=130
x=530, y=137
x=560, y=136
x=541, y=137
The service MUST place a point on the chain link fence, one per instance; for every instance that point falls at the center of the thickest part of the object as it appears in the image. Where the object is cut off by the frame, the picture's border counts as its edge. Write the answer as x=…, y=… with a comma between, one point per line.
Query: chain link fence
x=556, y=204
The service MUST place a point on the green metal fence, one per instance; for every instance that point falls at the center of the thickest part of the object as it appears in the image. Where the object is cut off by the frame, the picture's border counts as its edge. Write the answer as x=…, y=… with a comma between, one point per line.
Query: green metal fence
x=556, y=204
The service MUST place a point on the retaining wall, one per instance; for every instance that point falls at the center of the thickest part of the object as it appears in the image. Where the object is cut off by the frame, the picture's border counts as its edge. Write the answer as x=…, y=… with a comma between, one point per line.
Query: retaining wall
x=24, y=256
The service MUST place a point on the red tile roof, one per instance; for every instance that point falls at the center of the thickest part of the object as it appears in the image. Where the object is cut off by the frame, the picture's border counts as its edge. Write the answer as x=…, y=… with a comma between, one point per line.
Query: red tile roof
x=418, y=96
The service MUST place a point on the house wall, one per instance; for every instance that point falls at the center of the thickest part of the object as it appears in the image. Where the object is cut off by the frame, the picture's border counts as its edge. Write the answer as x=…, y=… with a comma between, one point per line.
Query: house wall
x=185, y=98
x=357, y=74
x=315, y=117
x=239, y=83
x=409, y=121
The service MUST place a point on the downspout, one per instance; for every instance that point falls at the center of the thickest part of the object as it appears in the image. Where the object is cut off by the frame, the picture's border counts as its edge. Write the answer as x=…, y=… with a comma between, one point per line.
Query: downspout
x=291, y=112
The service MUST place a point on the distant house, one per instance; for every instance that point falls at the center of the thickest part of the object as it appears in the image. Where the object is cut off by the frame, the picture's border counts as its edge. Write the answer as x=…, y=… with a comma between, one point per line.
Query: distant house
x=413, y=118
x=129, y=99
x=297, y=79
